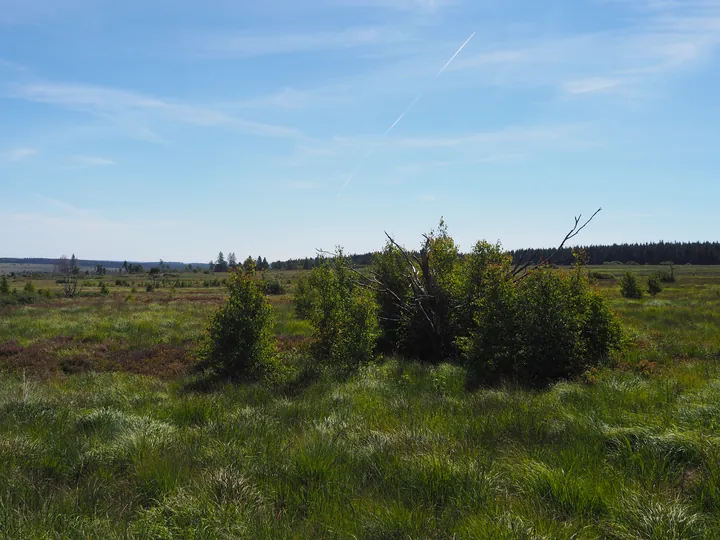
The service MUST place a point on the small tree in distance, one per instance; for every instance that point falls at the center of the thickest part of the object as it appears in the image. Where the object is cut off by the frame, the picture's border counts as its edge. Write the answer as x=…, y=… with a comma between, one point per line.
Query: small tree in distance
x=630, y=287
x=4, y=285
x=240, y=343
x=654, y=286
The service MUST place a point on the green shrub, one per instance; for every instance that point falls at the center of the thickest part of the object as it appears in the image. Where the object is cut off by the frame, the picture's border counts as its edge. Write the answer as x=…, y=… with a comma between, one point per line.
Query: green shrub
x=630, y=287
x=595, y=274
x=4, y=285
x=104, y=289
x=272, y=286
x=548, y=326
x=29, y=288
x=417, y=296
x=149, y=287
x=303, y=299
x=667, y=277
x=343, y=316
x=240, y=343
x=654, y=286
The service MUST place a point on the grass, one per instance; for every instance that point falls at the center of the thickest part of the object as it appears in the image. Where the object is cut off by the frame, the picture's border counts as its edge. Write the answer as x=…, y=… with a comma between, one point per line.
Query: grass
x=398, y=450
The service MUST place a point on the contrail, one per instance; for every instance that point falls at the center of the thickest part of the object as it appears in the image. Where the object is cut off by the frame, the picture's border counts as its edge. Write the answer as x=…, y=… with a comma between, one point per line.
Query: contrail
x=454, y=55
x=396, y=122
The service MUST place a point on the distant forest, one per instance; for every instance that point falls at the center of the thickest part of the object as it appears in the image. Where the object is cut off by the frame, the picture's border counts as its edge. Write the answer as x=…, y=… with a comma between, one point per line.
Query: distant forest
x=650, y=253
x=699, y=253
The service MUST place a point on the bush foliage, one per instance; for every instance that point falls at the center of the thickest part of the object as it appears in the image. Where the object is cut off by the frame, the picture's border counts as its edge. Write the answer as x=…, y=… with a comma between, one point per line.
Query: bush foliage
x=437, y=304
x=630, y=286
x=344, y=315
x=240, y=343
x=654, y=286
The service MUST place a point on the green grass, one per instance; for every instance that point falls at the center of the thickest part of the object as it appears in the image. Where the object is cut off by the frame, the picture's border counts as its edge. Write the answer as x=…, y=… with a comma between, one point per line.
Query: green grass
x=148, y=324
x=398, y=450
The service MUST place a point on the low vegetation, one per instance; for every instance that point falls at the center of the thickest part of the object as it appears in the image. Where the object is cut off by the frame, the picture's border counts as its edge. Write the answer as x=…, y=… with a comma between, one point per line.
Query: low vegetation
x=108, y=431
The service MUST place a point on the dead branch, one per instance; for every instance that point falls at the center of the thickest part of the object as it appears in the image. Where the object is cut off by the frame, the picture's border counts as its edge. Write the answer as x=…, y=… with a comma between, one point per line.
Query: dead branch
x=576, y=229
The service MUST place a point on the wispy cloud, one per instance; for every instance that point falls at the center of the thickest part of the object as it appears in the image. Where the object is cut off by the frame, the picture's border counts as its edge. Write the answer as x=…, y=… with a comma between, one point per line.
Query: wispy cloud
x=92, y=160
x=659, y=40
x=302, y=185
x=403, y=5
x=68, y=209
x=136, y=109
x=19, y=154
x=591, y=85
x=246, y=45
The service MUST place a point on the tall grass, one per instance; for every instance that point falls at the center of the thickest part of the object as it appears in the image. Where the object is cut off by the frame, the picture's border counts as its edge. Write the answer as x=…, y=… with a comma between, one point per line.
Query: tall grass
x=399, y=450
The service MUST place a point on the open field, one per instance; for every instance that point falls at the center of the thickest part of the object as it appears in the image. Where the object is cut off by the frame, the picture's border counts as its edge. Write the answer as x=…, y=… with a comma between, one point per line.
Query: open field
x=106, y=437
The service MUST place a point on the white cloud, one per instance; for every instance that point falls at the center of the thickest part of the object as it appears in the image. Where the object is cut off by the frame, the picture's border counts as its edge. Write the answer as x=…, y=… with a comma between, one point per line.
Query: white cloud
x=134, y=110
x=93, y=160
x=591, y=85
x=246, y=45
x=18, y=154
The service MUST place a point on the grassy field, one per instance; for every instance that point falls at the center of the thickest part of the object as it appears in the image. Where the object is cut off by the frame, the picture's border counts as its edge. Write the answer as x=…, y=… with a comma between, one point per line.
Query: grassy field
x=107, y=437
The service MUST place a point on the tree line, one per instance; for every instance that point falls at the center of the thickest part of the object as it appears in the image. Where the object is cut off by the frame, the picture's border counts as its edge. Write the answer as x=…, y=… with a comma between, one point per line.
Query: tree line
x=648, y=253
x=702, y=253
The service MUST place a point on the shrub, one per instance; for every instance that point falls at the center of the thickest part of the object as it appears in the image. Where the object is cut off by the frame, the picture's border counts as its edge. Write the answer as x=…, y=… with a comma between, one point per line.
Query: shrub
x=149, y=287
x=272, y=286
x=630, y=287
x=654, y=285
x=416, y=297
x=343, y=316
x=240, y=343
x=667, y=277
x=595, y=274
x=547, y=326
x=29, y=288
x=303, y=299
x=4, y=285
x=104, y=289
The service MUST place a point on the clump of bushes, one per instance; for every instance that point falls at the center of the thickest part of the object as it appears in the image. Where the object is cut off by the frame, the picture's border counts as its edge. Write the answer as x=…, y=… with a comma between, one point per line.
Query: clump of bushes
x=654, y=286
x=29, y=288
x=595, y=274
x=239, y=342
x=630, y=286
x=343, y=314
x=272, y=286
x=436, y=304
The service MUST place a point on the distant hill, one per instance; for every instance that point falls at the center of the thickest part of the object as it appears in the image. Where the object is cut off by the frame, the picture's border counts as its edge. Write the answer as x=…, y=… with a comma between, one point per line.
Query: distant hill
x=106, y=264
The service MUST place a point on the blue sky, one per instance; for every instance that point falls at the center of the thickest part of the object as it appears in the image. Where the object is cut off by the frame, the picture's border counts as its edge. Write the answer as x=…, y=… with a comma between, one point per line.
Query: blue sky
x=163, y=129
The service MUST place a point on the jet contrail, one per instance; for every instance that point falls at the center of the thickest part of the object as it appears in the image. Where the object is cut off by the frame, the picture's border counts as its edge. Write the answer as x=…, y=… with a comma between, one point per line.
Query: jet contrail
x=454, y=55
x=396, y=122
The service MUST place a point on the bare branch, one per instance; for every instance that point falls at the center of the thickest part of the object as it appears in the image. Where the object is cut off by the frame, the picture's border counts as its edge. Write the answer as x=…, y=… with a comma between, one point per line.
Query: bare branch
x=576, y=229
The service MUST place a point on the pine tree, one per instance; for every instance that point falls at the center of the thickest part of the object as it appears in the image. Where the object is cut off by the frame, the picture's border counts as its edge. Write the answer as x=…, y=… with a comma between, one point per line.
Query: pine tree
x=4, y=285
x=221, y=265
x=232, y=260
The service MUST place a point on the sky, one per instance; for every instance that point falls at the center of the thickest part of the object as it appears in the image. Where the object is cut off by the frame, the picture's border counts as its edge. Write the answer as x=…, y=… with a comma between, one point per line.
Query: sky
x=158, y=129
